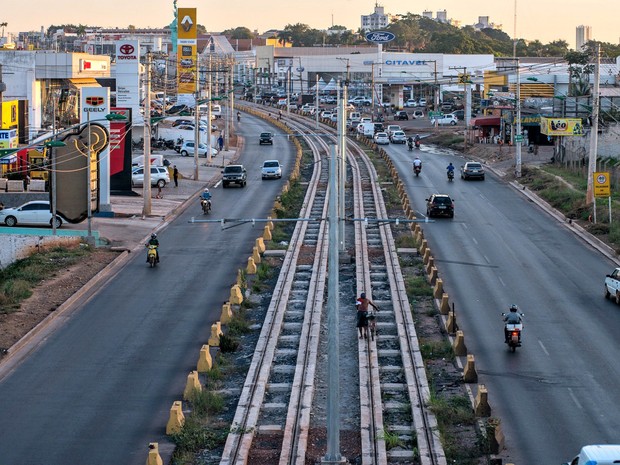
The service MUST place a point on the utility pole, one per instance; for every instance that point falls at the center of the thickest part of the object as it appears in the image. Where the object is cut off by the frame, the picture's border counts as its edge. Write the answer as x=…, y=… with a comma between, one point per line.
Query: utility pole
x=465, y=80
x=227, y=123
x=518, y=137
x=209, y=115
x=146, y=185
x=594, y=130
x=163, y=106
x=196, y=120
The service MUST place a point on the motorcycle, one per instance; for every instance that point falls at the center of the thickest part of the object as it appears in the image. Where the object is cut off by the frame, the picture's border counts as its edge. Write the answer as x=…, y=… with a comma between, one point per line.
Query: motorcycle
x=417, y=144
x=410, y=145
x=206, y=206
x=178, y=145
x=512, y=333
x=417, y=169
x=450, y=176
x=151, y=255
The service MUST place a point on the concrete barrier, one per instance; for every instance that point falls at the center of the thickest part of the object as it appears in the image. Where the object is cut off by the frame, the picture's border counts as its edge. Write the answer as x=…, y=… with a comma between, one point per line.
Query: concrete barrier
x=438, y=290
x=444, y=307
x=3, y=183
x=459, y=347
x=214, y=339
x=270, y=223
x=430, y=265
x=236, y=297
x=36, y=185
x=192, y=384
x=470, y=375
x=427, y=255
x=240, y=280
x=497, y=440
x=251, y=268
x=256, y=255
x=15, y=186
x=154, y=458
x=260, y=245
x=451, y=323
x=227, y=314
x=176, y=420
x=481, y=404
x=423, y=246
x=432, y=276
x=205, y=362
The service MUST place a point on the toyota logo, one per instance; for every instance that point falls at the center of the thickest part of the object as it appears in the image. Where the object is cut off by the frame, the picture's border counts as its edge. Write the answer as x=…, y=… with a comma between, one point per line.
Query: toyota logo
x=126, y=49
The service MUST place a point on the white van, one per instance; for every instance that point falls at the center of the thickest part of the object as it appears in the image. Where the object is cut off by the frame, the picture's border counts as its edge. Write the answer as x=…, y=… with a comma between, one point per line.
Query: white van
x=355, y=116
x=216, y=110
x=600, y=454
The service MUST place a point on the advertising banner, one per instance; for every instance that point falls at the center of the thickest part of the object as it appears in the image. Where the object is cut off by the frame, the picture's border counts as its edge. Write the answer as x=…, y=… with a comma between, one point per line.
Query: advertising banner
x=128, y=75
x=120, y=152
x=8, y=139
x=186, y=51
x=561, y=126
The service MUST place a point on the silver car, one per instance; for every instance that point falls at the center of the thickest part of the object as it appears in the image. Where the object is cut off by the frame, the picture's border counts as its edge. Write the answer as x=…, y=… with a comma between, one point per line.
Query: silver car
x=159, y=176
x=398, y=137
x=271, y=169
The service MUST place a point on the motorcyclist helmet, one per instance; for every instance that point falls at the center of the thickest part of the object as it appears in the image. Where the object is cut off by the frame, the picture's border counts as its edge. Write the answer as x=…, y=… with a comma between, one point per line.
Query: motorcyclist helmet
x=153, y=236
x=514, y=308
x=206, y=190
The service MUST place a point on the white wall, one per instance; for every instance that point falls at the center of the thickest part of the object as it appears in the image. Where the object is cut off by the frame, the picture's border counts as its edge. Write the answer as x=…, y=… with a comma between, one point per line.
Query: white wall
x=15, y=247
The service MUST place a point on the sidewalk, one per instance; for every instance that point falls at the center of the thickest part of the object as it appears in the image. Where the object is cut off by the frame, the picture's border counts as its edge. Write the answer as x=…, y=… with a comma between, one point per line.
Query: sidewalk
x=128, y=228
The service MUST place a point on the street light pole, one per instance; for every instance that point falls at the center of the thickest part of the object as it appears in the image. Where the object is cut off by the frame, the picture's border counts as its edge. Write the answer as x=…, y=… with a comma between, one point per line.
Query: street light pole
x=517, y=136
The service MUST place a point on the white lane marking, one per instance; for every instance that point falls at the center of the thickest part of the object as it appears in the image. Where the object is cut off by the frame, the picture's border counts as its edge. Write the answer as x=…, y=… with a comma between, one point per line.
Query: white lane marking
x=543, y=348
x=570, y=391
x=486, y=258
x=501, y=281
x=474, y=240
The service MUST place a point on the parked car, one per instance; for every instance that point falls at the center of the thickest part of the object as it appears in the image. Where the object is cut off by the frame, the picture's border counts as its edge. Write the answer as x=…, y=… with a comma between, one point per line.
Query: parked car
x=187, y=149
x=326, y=114
x=411, y=103
x=439, y=205
x=445, y=119
x=401, y=115
x=33, y=213
x=417, y=114
x=265, y=138
x=460, y=114
x=359, y=100
x=234, y=174
x=472, y=170
x=271, y=169
x=159, y=176
x=381, y=138
x=447, y=106
x=422, y=102
x=398, y=137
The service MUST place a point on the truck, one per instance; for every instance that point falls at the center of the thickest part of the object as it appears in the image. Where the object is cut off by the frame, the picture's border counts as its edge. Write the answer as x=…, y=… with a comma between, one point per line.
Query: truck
x=599, y=454
x=305, y=99
x=612, y=285
x=183, y=131
x=367, y=129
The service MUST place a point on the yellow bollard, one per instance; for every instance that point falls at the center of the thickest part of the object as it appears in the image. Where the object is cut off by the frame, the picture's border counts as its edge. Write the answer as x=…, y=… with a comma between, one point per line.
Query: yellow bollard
x=470, y=375
x=236, y=297
x=256, y=255
x=176, y=419
x=260, y=245
x=267, y=233
x=251, y=268
x=270, y=223
x=438, y=291
x=226, y=313
x=214, y=339
x=451, y=323
x=205, y=363
x=193, y=384
x=427, y=255
x=239, y=278
x=432, y=276
x=459, y=344
x=481, y=404
x=444, y=308
x=154, y=458
x=423, y=246
x=430, y=265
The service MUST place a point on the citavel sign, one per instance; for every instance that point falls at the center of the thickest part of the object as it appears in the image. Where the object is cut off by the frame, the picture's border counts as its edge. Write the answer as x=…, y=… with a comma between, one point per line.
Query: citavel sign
x=380, y=37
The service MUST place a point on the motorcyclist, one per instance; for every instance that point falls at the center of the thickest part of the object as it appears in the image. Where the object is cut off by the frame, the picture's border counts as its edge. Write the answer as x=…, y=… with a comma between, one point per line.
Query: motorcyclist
x=417, y=138
x=238, y=116
x=410, y=142
x=154, y=241
x=450, y=169
x=417, y=163
x=205, y=196
x=511, y=318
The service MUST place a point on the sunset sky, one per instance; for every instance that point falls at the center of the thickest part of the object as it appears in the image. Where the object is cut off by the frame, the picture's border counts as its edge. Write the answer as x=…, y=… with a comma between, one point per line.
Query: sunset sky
x=543, y=20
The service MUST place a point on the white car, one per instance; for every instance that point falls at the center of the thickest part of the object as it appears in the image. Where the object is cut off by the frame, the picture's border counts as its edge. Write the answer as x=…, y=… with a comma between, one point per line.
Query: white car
x=422, y=102
x=381, y=138
x=326, y=114
x=411, y=103
x=159, y=176
x=417, y=114
x=392, y=128
x=33, y=213
x=398, y=137
x=445, y=119
x=187, y=149
x=271, y=169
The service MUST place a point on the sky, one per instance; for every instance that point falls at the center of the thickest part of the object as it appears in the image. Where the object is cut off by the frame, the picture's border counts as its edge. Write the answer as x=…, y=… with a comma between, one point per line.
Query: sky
x=545, y=20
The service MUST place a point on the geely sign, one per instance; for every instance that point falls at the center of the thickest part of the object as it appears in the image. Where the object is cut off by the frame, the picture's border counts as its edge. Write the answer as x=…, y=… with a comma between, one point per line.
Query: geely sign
x=380, y=37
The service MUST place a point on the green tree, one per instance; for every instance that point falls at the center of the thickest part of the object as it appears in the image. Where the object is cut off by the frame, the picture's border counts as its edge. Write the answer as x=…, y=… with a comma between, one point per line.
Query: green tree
x=579, y=70
x=556, y=48
x=239, y=33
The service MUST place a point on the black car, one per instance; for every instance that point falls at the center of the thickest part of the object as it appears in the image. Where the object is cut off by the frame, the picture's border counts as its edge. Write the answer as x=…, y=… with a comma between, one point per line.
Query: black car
x=401, y=115
x=265, y=138
x=439, y=205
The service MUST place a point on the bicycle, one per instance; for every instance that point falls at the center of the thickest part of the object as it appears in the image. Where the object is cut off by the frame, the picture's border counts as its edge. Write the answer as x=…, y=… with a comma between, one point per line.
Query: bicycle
x=372, y=323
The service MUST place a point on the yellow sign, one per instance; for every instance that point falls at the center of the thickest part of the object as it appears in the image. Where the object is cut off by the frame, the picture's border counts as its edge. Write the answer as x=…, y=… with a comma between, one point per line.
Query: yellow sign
x=601, y=184
x=9, y=114
x=186, y=51
x=561, y=126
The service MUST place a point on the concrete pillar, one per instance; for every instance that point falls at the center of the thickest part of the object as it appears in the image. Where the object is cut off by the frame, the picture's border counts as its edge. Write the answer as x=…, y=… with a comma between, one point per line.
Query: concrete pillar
x=176, y=420
x=192, y=384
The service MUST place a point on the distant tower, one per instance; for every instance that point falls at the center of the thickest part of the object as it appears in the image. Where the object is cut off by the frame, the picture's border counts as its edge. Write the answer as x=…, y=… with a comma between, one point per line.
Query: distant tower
x=442, y=16
x=584, y=35
x=376, y=20
x=427, y=14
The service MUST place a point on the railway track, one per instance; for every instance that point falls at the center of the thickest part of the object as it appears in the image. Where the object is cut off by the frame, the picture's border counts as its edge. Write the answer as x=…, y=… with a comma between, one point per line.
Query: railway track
x=281, y=413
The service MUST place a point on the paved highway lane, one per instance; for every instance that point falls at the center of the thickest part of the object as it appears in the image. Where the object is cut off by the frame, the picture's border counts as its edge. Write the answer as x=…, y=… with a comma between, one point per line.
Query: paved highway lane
x=99, y=389
x=558, y=392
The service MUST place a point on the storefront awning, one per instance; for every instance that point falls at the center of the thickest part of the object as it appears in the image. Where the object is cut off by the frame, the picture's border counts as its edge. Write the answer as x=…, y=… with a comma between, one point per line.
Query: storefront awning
x=78, y=83
x=486, y=121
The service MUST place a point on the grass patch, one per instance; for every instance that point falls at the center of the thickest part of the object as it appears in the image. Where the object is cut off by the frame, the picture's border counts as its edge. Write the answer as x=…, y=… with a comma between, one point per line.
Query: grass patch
x=239, y=323
x=391, y=439
x=436, y=349
x=453, y=410
x=206, y=402
x=18, y=279
x=405, y=241
x=417, y=286
x=194, y=437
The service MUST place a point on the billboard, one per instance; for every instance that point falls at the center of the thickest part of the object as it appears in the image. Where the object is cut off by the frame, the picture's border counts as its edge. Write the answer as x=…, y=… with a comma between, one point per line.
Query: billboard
x=128, y=75
x=561, y=126
x=186, y=51
x=8, y=139
x=120, y=152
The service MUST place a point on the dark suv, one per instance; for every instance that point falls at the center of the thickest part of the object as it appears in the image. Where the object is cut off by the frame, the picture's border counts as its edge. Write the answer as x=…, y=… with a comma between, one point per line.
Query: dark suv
x=265, y=138
x=401, y=115
x=439, y=205
x=234, y=174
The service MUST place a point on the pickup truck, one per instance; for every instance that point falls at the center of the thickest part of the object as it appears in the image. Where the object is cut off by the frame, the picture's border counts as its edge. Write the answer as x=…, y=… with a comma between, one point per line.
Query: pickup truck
x=360, y=101
x=612, y=285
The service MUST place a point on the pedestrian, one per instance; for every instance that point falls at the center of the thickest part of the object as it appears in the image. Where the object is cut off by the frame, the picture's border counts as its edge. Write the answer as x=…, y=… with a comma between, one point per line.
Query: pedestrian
x=175, y=176
x=362, y=314
x=279, y=115
x=220, y=142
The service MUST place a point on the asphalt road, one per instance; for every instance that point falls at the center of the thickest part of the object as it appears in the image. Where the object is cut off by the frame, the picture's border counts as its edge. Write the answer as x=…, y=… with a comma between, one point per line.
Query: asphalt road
x=100, y=388
x=559, y=391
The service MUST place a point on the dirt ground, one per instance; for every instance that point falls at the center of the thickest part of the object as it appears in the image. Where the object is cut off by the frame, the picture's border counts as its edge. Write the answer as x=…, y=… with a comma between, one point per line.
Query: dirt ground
x=49, y=295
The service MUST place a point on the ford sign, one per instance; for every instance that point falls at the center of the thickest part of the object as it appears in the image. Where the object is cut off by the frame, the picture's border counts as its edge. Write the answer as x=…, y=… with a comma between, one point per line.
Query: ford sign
x=380, y=37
